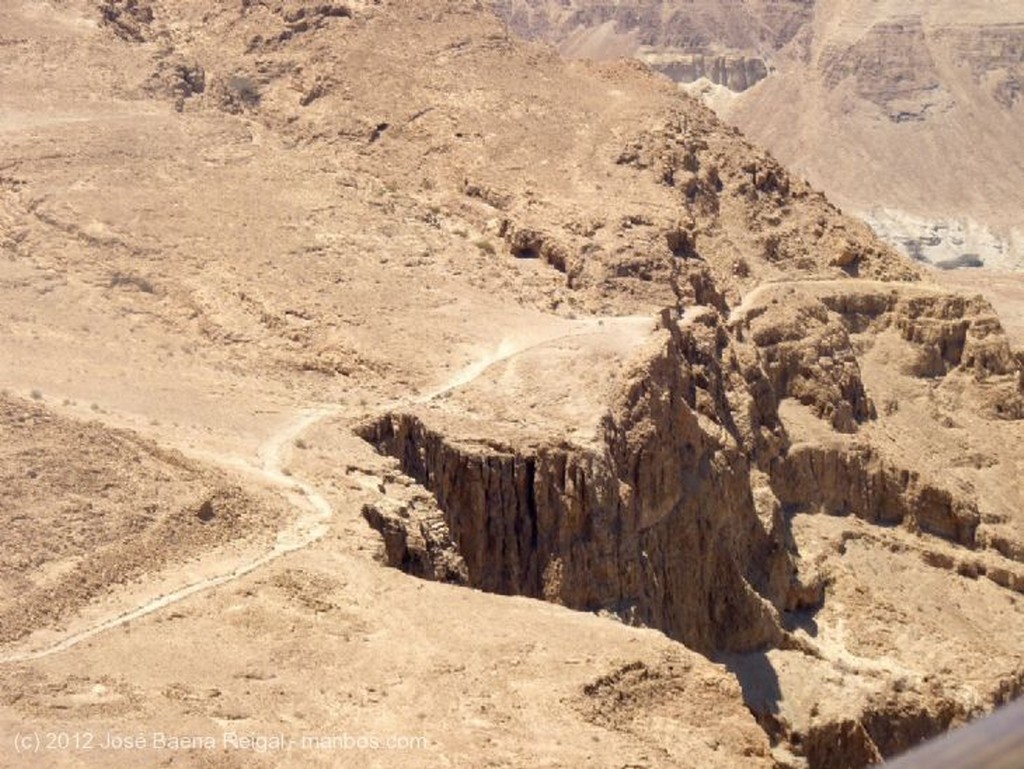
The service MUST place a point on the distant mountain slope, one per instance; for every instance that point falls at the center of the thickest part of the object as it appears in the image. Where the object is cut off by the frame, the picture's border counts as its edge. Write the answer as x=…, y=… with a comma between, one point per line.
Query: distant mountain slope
x=908, y=113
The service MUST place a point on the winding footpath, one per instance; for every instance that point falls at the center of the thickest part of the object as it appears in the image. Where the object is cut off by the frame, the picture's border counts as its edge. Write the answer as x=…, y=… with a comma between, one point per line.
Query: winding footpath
x=309, y=527
x=314, y=521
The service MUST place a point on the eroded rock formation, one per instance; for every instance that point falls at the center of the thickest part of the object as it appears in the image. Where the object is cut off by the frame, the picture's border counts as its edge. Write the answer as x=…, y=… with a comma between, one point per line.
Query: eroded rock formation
x=734, y=71
x=657, y=523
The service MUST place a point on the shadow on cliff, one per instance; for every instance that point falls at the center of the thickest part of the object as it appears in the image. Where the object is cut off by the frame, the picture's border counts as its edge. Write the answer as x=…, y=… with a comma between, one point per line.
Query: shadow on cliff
x=801, y=620
x=758, y=680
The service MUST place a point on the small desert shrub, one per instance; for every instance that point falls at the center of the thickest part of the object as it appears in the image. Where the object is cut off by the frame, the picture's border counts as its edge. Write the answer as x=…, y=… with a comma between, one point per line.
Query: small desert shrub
x=485, y=247
x=244, y=90
x=120, y=279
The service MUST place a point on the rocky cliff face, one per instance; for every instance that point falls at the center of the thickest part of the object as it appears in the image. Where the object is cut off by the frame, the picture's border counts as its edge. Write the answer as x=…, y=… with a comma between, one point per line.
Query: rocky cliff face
x=691, y=28
x=892, y=67
x=994, y=55
x=854, y=480
x=674, y=519
x=658, y=523
x=728, y=429
x=735, y=72
x=900, y=64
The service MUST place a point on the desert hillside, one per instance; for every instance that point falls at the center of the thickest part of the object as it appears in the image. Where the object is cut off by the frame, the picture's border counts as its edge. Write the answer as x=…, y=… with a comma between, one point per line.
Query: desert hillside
x=373, y=377
x=907, y=113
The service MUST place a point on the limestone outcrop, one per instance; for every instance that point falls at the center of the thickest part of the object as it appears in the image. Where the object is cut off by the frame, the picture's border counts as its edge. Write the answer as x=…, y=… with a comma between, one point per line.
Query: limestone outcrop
x=734, y=71
x=657, y=523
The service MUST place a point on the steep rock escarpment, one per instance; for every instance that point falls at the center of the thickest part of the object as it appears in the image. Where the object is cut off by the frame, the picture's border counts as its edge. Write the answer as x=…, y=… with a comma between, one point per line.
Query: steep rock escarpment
x=417, y=539
x=677, y=517
x=891, y=67
x=681, y=515
x=657, y=523
x=735, y=72
x=853, y=479
x=952, y=337
x=808, y=355
x=995, y=57
x=811, y=340
x=696, y=27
